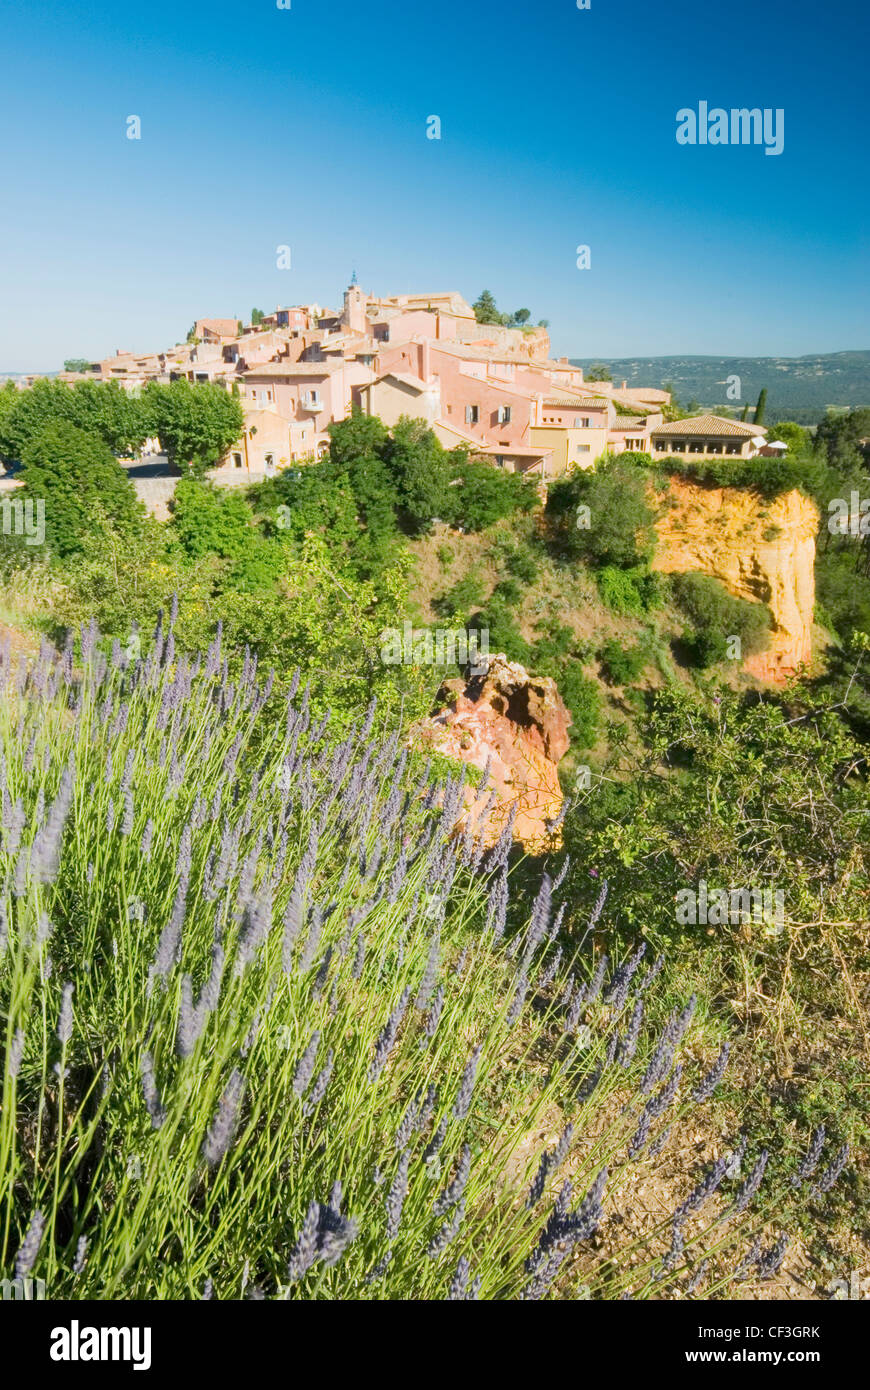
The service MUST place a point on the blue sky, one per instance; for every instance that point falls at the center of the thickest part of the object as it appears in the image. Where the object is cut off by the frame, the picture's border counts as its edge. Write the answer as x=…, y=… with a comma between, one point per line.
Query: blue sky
x=307, y=127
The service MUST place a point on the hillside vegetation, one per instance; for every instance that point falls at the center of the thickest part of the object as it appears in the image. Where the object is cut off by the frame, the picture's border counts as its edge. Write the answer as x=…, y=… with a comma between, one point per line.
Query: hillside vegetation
x=268, y=1028
x=799, y=388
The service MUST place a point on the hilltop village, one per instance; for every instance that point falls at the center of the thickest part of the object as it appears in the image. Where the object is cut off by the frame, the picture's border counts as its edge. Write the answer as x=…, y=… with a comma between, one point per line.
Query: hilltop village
x=491, y=389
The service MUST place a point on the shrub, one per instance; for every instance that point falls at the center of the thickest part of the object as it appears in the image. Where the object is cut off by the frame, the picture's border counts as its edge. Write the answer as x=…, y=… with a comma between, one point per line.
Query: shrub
x=509, y=592
x=582, y=696
x=482, y=494
x=461, y=597
x=631, y=592
x=622, y=664
x=522, y=564
x=498, y=619
x=716, y=615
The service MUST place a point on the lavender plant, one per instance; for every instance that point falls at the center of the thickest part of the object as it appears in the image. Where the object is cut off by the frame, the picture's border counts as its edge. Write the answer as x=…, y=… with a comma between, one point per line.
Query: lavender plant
x=260, y=1010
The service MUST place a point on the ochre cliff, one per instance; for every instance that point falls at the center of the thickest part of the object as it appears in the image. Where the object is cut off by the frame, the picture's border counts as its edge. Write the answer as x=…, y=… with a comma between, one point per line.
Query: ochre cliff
x=760, y=550
x=515, y=724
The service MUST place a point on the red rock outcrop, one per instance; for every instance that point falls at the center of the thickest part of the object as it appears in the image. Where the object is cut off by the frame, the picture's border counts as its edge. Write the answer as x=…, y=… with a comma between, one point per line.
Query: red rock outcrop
x=518, y=725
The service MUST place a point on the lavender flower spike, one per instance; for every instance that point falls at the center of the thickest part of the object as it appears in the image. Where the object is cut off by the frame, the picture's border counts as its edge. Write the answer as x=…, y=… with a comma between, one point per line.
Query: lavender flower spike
x=466, y=1087
x=65, y=1021
x=29, y=1248
x=223, y=1126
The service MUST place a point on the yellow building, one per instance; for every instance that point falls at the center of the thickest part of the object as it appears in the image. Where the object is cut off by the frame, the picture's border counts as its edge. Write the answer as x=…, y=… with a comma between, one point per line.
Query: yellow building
x=574, y=428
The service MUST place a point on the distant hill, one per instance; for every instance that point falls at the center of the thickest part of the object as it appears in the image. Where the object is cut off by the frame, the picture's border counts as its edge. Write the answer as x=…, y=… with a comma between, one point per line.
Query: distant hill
x=798, y=388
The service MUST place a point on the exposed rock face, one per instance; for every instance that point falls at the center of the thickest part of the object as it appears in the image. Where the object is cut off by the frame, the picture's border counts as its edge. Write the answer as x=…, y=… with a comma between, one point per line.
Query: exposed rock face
x=762, y=551
x=518, y=724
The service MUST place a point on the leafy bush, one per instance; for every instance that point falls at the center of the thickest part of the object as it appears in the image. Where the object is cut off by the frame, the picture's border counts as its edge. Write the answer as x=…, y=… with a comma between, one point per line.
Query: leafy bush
x=212, y=521
x=497, y=617
x=522, y=563
x=461, y=597
x=556, y=641
x=622, y=664
x=509, y=592
x=259, y=1015
x=770, y=477
x=631, y=592
x=482, y=494
x=583, y=698
x=716, y=615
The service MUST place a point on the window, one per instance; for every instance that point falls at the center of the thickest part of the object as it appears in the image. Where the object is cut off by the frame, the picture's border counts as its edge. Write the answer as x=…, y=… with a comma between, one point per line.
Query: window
x=586, y=421
x=268, y=395
x=237, y=460
x=253, y=395
x=472, y=414
x=582, y=448
x=270, y=459
x=661, y=446
x=504, y=415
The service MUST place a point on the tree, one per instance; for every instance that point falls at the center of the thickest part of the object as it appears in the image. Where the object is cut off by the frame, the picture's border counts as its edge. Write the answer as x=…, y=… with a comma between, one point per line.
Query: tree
x=521, y=316
x=481, y=494
x=598, y=372
x=620, y=530
x=103, y=409
x=358, y=435
x=76, y=364
x=485, y=309
x=257, y=317
x=420, y=470
x=787, y=432
x=79, y=481
x=759, y=409
x=840, y=436
x=9, y=395
x=195, y=423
